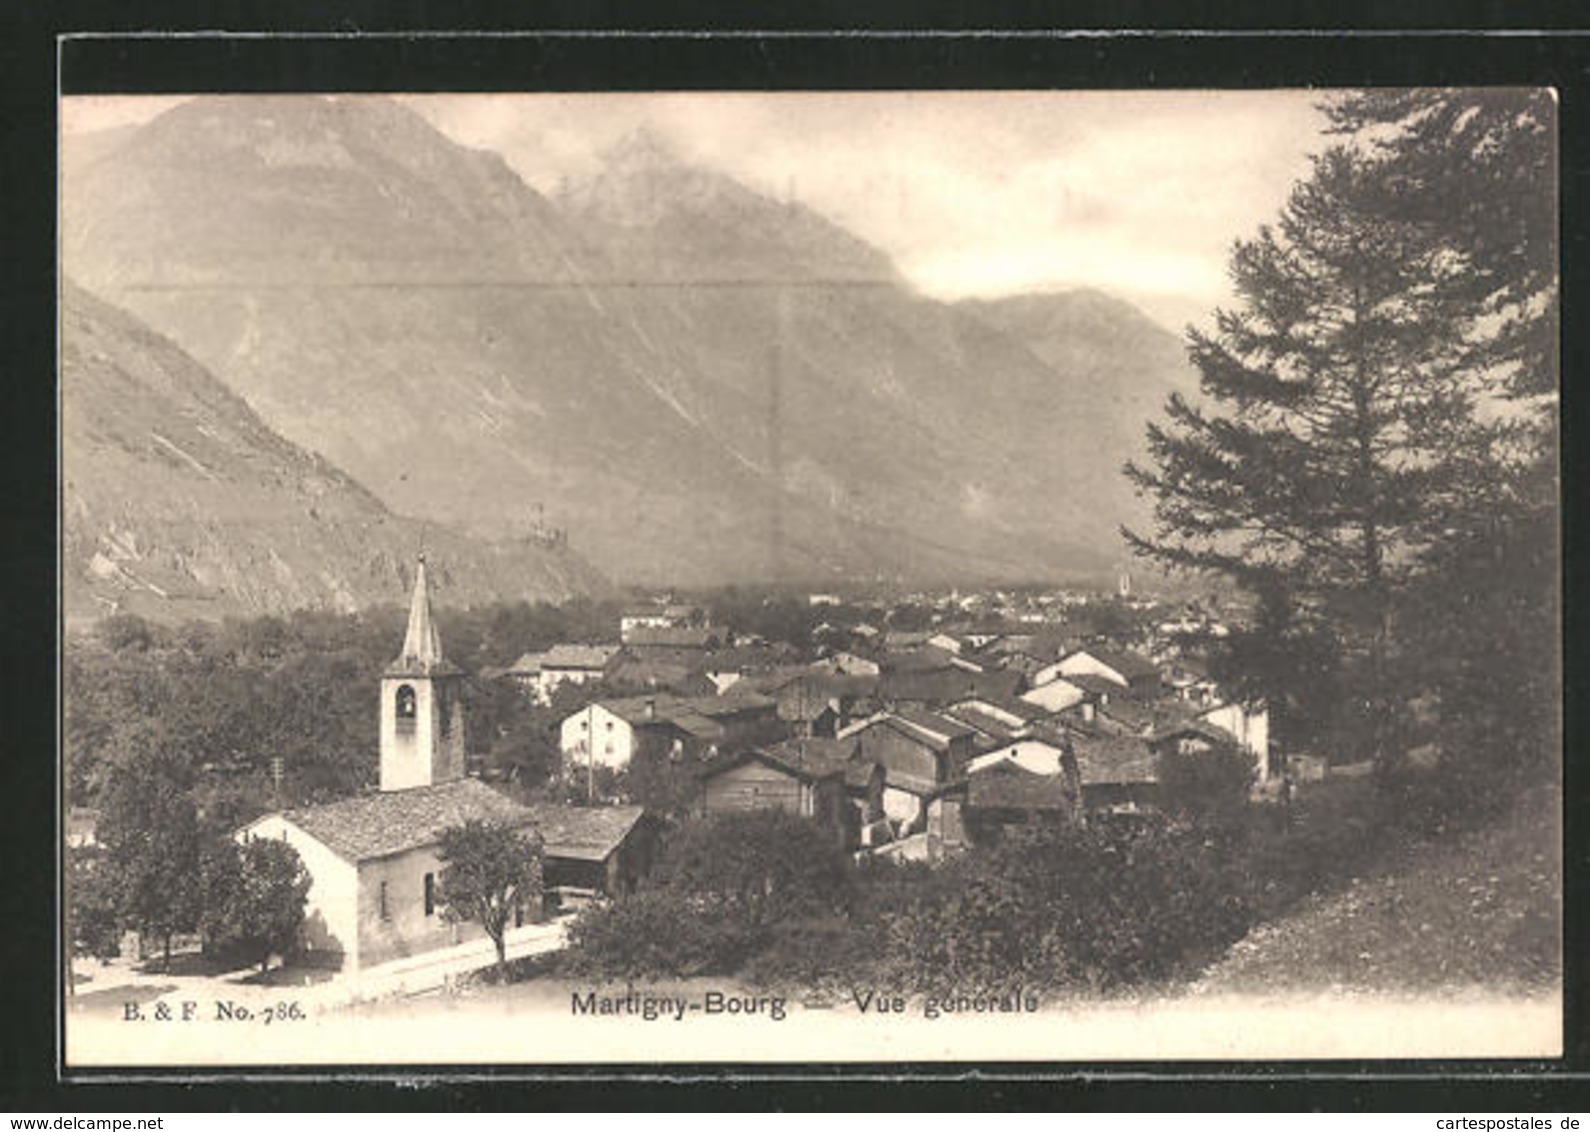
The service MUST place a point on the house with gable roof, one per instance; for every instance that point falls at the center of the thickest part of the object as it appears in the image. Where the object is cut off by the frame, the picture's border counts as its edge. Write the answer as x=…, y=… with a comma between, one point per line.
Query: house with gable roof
x=1136, y=674
x=802, y=776
x=904, y=763
x=542, y=673
x=615, y=732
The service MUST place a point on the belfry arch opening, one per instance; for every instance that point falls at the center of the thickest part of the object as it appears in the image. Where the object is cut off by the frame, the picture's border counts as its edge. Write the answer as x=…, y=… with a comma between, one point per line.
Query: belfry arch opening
x=406, y=704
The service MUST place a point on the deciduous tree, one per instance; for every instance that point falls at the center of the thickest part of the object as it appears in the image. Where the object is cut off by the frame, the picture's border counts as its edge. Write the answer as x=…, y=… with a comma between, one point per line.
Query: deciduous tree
x=489, y=871
x=93, y=917
x=150, y=832
x=255, y=895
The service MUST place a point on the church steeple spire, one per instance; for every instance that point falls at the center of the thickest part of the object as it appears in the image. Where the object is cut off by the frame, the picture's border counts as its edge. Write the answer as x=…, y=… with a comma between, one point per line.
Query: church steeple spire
x=422, y=722
x=422, y=644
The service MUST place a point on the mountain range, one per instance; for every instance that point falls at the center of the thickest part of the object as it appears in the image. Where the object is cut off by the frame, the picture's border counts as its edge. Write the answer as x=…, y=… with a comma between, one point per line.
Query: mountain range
x=177, y=501
x=701, y=383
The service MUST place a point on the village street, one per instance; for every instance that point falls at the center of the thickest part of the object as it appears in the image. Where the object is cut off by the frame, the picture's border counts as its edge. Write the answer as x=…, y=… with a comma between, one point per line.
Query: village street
x=115, y=986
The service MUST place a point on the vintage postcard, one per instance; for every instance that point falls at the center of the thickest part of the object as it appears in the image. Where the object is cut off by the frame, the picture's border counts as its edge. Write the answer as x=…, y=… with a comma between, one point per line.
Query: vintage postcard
x=927, y=577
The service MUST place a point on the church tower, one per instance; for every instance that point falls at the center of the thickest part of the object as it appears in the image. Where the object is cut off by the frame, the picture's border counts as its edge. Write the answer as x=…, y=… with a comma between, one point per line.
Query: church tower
x=422, y=710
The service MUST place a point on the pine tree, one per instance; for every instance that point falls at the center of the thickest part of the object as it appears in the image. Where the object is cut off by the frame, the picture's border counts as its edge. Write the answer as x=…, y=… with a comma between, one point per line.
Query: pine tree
x=1334, y=403
x=1479, y=168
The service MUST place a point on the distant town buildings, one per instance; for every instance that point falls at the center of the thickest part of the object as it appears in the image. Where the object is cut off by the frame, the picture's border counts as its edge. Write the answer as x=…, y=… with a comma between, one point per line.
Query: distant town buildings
x=906, y=742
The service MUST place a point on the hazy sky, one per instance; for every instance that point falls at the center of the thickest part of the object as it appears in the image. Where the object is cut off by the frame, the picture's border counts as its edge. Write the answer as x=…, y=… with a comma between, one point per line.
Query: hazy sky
x=979, y=193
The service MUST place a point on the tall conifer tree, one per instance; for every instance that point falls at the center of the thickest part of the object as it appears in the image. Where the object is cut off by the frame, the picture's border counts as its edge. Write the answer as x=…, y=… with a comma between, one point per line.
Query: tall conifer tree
x=1333, y=403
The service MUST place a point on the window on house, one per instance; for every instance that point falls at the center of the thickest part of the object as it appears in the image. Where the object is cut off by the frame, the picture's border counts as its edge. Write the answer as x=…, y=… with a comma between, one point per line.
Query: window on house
x=380, y=896
x=405, y=701
x=430, y=894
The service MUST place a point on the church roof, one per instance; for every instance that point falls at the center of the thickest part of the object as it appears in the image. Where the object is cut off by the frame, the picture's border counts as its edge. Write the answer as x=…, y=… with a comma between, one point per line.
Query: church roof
x=422, y=644
x=380, y=825
x=372, y=826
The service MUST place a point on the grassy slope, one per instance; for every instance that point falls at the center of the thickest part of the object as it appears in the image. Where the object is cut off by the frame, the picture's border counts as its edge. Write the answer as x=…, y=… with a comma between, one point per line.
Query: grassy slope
x=1482, y=910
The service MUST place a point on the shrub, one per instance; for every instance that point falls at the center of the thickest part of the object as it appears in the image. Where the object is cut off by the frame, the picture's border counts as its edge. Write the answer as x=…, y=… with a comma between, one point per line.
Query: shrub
x=1328, y=835
x=1207, y=787
x=725, y=888
x=1098, y=906
x=824, y=951
x=757, y=868
x=650, y=934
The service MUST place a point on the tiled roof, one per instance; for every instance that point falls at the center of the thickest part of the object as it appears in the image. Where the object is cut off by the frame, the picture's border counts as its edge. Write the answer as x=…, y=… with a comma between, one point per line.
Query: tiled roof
x=1024, y=754
x=1190, y=727
x=587, y=833
x=747, y=658
x=1113, y=760
x=927, y=658
x=732, y=702
x=1142, y=716
x=1093, y=685
x=1128, y=664
x=697, y=726
x=987, y=724
x=659, y=672
x=949, y=684
x=673, y=611
x=1011, y=705
x=809, y=759
x=379, y=825
x=650, y=637
x=696, y=709
x=933, y=723
x=815, y=681
x=578, y=656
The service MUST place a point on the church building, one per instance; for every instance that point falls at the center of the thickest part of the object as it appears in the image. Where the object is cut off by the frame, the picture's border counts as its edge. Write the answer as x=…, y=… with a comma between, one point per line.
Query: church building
x=373, y=858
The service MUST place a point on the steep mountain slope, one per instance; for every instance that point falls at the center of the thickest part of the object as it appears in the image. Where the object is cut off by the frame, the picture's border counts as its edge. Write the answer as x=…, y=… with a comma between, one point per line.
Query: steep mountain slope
x=702, y=383
x=178, y=501
x=1133, y=362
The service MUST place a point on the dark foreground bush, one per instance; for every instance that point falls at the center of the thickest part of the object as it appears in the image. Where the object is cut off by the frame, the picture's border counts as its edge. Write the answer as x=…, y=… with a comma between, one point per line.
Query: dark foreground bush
x=1332, y=833
x=1097, y=907
x=831, y=951
x=725, y=888
x=1100, y=907
x=654, y=933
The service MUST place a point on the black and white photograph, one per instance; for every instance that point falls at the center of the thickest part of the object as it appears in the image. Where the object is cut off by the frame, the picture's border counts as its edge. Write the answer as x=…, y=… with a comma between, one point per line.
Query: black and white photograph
x=764, y=577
